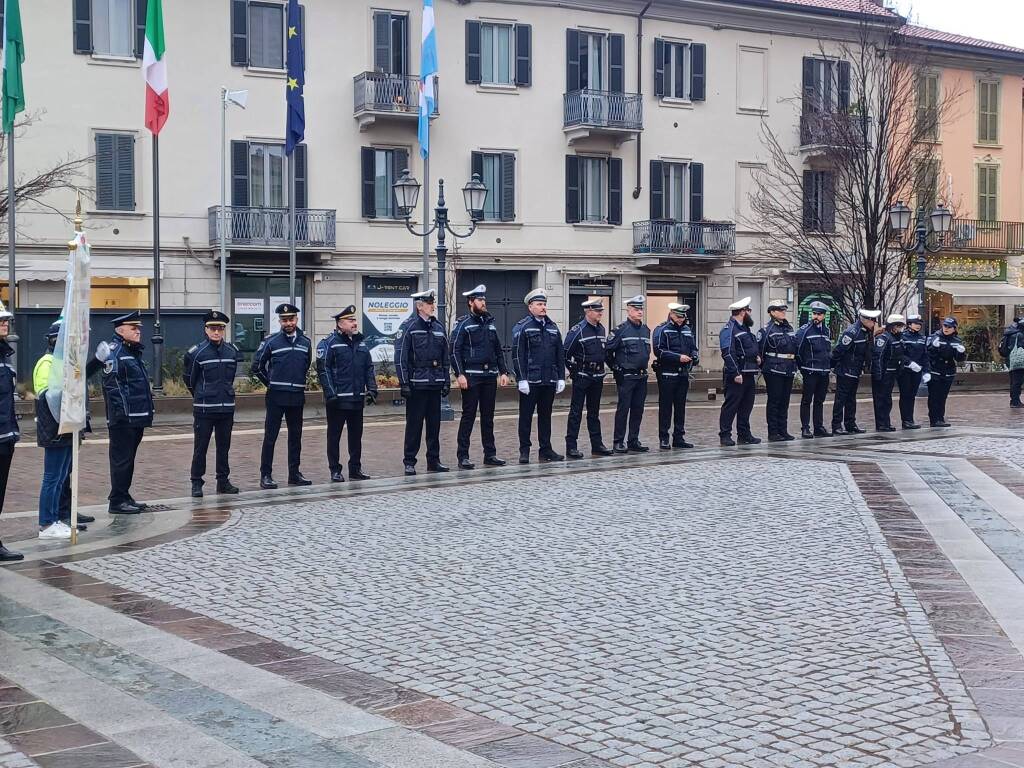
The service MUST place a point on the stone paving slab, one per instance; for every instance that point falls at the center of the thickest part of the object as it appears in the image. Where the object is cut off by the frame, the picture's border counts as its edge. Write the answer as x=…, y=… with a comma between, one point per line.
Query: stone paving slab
x=606, y=613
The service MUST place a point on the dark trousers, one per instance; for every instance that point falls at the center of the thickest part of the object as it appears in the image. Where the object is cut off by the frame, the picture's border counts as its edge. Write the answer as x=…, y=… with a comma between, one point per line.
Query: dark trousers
x=124, y=445
x=423, y=407
x=844, y=405
x=206, y=427
x=271, y=427
x=630, y=408
x=881, y=398
x=337, y=420
x=672, y=402
x=1016, y=380
x=540, y=399
x=739, y=402
x=586, y=392
x=909, y=383
x=6, y=457
x=938, y=391
x=480, y=394
x=780, y=390
x=812, y=399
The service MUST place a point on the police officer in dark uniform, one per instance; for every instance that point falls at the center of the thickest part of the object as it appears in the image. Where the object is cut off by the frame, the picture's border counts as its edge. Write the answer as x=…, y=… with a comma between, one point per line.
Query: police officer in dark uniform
x=538, y=362
x=282, y=364
x=740, y=364
x=945, y=350
x=849, y=359
x=584, y=357
x=915, y=369
x=210, y=368
x=9, y=433
x=479, y=365
x=345, y=370
x=813, y=351
x=422, y=367
x=777, y=348
x=675, y=353
x=628, y=353
x=886, y=362
x=129, y=402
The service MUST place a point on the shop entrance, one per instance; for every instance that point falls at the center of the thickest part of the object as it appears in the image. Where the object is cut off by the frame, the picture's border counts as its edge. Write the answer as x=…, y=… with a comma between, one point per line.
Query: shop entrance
x=588, y=290
x=253, y=301
x=505, y=293
x=661, y=294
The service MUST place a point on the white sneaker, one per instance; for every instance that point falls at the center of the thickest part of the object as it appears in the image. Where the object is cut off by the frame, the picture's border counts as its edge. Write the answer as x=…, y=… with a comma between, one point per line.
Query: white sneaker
x=56, y=531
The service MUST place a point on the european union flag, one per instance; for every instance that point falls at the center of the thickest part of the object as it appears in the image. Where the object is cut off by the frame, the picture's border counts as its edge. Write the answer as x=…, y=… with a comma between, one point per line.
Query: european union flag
x=296, y=130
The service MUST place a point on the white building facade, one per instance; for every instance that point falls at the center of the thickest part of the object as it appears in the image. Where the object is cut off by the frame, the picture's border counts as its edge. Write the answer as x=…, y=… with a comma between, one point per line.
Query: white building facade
x=619, y=141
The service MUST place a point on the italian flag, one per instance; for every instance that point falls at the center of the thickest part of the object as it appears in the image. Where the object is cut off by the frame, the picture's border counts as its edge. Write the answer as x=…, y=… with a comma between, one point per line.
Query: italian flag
x=154, y=69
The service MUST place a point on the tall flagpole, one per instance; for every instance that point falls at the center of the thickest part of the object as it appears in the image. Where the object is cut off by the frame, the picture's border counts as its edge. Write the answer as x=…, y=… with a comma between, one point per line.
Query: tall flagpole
x=158, y=340
x=291, y=228
x=12, y=282
x=426, y=220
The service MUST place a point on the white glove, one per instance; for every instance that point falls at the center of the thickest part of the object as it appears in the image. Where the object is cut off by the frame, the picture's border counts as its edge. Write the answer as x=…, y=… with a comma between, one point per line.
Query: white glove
x=914, y=367
x=524, y=386
x=560, y=387
x=936, y=343
x=926, y=378
x=102, y=351
x=959, y=348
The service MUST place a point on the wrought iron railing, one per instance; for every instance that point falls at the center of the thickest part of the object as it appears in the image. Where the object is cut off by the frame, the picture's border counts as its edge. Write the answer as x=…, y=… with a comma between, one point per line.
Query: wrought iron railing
x=383, y=92
x=268, y=227
x=683, y=237
x=985, y=236
x=604, y=109
x=836, y=129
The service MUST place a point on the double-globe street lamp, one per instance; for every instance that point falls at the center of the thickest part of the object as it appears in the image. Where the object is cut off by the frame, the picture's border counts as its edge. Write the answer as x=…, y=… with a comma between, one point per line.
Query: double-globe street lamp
x=941, y=222
x=407, y=193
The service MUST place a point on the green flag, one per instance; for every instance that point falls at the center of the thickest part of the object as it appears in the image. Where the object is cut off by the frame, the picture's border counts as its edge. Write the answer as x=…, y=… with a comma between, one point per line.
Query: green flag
x=14, y=56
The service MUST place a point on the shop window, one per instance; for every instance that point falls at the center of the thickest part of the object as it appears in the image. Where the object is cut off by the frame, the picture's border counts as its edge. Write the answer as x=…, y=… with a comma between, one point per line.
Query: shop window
x=120, y=293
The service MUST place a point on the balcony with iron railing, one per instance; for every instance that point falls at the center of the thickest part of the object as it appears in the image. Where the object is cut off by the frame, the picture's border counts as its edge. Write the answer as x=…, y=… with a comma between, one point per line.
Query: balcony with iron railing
x=588, y=113
x=267, y=228
x=380, y=95
x=697, y=239
x=979, y=236
x=824, y=131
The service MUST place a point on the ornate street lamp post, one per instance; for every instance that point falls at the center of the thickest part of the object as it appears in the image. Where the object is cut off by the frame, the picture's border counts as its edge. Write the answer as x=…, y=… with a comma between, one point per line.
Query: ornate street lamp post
x=941, y=221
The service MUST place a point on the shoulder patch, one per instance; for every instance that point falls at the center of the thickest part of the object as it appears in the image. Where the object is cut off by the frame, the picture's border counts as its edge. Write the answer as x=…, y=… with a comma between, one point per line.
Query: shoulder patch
x=320, y=352
x=847, y=339
x=401, y=332
x=760, y=335
x=108, y=367
x=879, y=342
x=193, y=348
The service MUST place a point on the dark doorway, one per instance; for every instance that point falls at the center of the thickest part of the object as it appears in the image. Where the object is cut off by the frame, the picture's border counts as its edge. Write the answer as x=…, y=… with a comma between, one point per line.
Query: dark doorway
x=505, y=293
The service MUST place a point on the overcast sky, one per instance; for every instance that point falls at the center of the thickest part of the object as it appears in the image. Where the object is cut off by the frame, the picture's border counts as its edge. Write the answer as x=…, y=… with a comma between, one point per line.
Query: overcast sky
x=1001, y=21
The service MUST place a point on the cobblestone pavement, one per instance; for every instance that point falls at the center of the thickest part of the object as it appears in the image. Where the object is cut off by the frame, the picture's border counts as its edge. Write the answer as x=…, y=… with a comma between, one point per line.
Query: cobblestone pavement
x=606, y=611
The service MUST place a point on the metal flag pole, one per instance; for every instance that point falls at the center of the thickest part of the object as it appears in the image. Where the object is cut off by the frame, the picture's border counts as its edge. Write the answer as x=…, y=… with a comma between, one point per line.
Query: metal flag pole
x=426, y=219
x=12, y=281
x=223, y=202
x=158, y=340
x=291, y=228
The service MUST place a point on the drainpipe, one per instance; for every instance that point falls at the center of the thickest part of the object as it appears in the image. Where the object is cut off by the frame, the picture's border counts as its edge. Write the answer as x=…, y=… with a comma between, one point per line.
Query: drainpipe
x=639, y=89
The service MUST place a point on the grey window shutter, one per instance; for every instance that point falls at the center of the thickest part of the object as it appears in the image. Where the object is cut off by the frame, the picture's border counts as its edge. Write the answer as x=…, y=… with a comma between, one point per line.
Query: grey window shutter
x=617, y=63
x=698, y=72
x=572, y=189
x=473, y=60
x=810, y=73
x=572, y=60
x=844, y=86
x=401, y=46
x=82, y=10
x=381, y=41
x=657, y=184
x=508, y=186
x=476, y=165
x=827, y=89
x=105, y=182
x=301, y=177
x=524, y=53
x=696, y=191
x=614, y=190
x=124, y=172
x=809, y=207
x=659, y=67
x=141, y=6
x=828, y=202
x=239, y=33
x=240, y=173
x=368, y=183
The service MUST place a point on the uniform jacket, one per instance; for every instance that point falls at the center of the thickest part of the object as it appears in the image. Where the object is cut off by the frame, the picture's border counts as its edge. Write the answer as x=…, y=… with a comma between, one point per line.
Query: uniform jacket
x=345, y=370
x=538, y=355
x=126, y=391
x=886, y=354
x=585, y=350
x=670, y=341
x=282, y=364
x=8, y=422
x=814, y=348
x=476, y=349
x=942, y=357
x=777, y=345
x=1012, y=336
x=423, y=357
x=628, y=350
x=210, y=377
x=915, y=350
x=851, y=355
x=739, y=349
x=47, y=426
